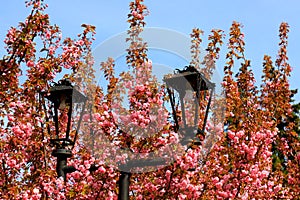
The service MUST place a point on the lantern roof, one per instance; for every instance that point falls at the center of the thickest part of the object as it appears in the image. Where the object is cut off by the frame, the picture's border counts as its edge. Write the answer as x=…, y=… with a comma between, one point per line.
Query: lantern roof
x=188, y=79
x=65, y=87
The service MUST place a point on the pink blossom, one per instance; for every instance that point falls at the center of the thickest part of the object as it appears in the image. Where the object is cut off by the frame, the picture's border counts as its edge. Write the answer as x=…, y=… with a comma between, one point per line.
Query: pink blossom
x=76, y=174
x=10, y=118
x=87, y=164
x=277, y=188
x=105, y=106
x=230, y=134
x=182, y=196
x=106, y=114
x=245, y=196
x=17, y=130
x=139, y=16
x=12, y=104
x=223, y=194
x=101, y=169
x=168, y=174
x=51, y=50
x=235, y=139
x=240, y=134
x=80, y=42
x=60, y=183
x=11, y=163
x=140, y=88
x=264, y=174
x=134, y=13
x=224, y=83
x=219, y=185
x=244, y=172
x=215, y=180
x=30, y=63
x=86, y=117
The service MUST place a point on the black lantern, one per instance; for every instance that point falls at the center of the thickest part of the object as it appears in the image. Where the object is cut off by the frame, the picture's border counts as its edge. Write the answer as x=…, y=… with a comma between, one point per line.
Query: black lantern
x=195, y=94
x=67, y=105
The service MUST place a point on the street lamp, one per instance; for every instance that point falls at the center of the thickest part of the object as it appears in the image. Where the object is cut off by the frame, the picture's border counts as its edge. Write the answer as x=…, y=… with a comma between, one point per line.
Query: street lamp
x=195, y=95
x=124, y=179
x=65, y=101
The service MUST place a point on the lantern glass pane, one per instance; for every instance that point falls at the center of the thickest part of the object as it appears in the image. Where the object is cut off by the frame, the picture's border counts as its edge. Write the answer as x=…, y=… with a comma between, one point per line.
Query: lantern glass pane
x=65, y=106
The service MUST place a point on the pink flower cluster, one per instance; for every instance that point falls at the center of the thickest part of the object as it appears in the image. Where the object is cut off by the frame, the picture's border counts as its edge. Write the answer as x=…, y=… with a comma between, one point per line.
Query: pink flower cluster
x=71, y=56
x=137, y=15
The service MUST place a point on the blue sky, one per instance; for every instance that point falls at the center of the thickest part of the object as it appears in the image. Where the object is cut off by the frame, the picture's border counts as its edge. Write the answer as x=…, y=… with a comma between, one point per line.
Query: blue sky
x=261, y=20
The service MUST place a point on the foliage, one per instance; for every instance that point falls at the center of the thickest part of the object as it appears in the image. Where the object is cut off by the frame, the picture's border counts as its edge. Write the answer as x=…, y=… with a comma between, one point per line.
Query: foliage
x=256, y=156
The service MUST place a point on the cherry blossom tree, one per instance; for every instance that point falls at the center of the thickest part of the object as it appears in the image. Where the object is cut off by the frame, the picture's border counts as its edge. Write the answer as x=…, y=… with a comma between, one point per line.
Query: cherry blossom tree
x=256, y=154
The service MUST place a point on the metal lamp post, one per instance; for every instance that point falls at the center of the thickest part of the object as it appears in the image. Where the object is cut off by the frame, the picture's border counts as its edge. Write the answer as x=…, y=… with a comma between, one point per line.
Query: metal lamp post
x=190, y=84
x=63, y=98
x=124, y=182
x=185, y=82
x=124, y=179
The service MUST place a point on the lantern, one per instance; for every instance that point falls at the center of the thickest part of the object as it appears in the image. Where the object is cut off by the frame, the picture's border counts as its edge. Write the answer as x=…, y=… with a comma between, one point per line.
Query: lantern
x=194, y=93
x=66, y=105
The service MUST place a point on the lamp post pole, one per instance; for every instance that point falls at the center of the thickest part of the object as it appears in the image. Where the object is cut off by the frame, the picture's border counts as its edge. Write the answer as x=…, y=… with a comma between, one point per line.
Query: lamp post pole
x=124, y=183
x=62, y=168
x=61, y=162
x=125, y=174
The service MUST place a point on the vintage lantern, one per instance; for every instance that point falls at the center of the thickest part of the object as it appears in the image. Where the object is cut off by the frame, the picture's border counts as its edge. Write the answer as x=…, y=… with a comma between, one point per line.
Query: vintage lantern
x=195, y=94
x=66, y=105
